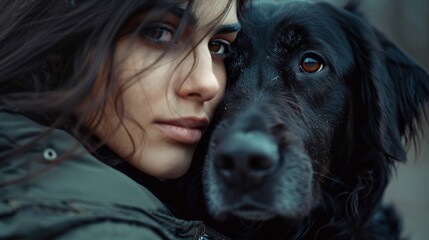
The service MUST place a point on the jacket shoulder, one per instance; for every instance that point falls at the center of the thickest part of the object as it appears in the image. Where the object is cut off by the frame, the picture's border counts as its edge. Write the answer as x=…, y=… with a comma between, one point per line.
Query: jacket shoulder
x=16, y=130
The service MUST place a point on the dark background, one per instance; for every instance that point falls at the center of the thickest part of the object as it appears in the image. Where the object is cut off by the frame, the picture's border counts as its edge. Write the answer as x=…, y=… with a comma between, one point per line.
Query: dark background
x=406, y=22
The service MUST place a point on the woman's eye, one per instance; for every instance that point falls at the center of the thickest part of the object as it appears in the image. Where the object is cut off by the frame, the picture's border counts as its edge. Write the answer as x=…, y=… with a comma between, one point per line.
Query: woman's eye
x=219, y=47
x=159, y=33
x=311, y=64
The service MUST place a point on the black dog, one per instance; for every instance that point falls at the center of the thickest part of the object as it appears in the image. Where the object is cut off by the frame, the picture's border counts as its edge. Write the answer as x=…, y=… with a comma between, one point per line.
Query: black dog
x=311, y=126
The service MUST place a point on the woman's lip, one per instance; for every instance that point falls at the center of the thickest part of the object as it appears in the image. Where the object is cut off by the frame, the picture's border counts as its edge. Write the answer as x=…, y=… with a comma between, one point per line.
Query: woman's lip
x=188, y=131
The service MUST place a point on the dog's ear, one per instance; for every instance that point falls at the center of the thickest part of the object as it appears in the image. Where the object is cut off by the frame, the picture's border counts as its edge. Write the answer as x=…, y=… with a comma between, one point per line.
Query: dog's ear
x=388, y=94
x=411, y=85
x=391, y=87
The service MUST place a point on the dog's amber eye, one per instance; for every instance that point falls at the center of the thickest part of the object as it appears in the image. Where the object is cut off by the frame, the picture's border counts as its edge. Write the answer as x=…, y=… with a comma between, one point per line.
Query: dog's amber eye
x=311, y=64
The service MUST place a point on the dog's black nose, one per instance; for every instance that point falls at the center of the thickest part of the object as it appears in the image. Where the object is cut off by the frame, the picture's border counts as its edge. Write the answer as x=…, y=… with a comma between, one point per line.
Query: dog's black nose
x=245, y=159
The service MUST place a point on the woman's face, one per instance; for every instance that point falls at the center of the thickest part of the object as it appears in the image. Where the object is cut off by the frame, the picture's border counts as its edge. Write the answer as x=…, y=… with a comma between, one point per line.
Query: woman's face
x=168, y=105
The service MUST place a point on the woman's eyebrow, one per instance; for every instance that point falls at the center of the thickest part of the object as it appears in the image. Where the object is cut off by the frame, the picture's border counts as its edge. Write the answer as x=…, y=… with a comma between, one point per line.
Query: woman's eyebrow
x=225, y=28
x=228, y=28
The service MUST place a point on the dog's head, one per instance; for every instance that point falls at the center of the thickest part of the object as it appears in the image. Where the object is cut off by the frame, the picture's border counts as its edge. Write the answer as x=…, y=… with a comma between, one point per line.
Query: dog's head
x=317, y=104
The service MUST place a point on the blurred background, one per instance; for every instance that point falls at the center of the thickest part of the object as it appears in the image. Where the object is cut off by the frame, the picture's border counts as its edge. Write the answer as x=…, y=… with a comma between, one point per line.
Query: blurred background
x=406, y=22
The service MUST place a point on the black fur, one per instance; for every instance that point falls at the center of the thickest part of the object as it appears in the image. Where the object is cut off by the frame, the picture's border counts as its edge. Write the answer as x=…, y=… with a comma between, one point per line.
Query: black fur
x=297, y=155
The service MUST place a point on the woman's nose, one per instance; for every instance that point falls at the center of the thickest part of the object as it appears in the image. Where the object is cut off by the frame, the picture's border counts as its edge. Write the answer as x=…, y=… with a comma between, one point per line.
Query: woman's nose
x=202, y=79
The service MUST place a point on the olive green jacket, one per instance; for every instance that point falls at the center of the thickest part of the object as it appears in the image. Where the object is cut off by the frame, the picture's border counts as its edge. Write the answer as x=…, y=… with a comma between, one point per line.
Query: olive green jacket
x=44, y=196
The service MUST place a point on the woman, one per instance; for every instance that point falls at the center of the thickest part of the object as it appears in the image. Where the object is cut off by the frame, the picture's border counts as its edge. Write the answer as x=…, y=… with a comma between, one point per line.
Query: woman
x=85, y=83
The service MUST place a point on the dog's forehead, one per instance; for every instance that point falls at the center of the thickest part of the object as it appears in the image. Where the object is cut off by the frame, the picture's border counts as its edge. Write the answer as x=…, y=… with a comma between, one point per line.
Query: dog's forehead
x=267, y=16
x=291, y=29
x=294, y=18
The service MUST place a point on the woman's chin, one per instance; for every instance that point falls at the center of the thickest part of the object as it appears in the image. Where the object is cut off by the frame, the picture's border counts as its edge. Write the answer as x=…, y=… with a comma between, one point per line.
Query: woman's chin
x=165, y=167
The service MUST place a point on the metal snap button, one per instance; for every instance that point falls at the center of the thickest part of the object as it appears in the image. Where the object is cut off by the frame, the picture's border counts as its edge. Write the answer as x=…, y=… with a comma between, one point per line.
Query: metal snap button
x=50, y=154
